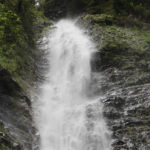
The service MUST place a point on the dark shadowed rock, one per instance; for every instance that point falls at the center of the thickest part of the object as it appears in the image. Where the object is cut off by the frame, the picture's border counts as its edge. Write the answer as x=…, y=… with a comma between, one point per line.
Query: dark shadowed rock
x=121, y=71
x=16, y=131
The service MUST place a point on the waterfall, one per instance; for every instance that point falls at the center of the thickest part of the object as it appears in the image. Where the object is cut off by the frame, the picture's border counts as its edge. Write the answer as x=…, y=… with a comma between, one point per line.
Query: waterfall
x=68, y=117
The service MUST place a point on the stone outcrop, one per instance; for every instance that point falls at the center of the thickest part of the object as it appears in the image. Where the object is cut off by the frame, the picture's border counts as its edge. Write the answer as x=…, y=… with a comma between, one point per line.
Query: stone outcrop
x=16, y=131
x=121, y=71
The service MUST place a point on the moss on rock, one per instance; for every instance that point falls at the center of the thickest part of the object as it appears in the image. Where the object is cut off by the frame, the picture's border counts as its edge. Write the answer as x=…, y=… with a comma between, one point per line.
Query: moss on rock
x=123, y=57
x=126, y=49
x=100, y=19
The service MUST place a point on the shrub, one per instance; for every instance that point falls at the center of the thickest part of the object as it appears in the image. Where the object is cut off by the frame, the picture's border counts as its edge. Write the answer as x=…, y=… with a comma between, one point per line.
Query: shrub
x=12, y=39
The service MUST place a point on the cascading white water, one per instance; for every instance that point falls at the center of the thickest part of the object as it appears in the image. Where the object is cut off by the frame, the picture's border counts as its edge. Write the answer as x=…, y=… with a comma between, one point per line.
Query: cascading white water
x=70, y=119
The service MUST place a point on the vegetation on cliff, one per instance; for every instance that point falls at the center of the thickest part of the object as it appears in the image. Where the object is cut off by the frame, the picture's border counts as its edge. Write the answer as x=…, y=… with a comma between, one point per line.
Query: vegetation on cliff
x=18, y=17
x=121, y=30
x=120, y=8
x=17, y=67
x=123, y=59
x=17, y=36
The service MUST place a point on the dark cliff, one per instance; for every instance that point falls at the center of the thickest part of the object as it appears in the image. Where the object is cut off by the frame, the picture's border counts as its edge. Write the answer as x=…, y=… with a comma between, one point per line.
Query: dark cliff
x=120, y=29
x=18, y=55
x=16, y=131
x=123, y=62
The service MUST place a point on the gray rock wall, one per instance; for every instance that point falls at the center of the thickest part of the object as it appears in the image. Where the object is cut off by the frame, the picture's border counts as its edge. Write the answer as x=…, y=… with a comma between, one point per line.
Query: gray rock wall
x=121, y=70
x=16, y=131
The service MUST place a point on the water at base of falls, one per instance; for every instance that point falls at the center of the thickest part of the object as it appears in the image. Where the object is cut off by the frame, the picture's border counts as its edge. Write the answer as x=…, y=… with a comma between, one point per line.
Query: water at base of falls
x=69, y=119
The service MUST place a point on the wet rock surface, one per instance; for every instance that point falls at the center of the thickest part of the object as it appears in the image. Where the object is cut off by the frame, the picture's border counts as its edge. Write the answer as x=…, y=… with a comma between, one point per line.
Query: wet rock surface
x=121, y=73
x=16, y=131
x=130, y=121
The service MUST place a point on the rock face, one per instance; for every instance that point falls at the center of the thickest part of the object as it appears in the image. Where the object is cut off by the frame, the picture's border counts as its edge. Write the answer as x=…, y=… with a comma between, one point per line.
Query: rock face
x=16, y=131
x=121, y=71
x=56, y=9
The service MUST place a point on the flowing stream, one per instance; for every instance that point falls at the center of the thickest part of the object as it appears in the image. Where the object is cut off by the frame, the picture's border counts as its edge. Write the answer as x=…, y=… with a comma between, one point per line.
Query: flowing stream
x=69, y=118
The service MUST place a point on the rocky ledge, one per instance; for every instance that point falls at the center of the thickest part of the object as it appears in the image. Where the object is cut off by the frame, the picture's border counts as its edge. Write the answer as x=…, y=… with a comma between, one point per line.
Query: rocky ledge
x=16, y=131
x=121, y=71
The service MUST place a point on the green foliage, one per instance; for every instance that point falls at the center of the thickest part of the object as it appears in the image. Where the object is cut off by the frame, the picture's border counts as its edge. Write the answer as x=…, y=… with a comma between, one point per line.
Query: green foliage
x=60, y=8
x=2, y=128
x=27, y=14
x=3, y=147
x=101, y=19
x=89, y=2
x=17, y=20
x=12, y=39
x=25, y=9
x=139, y=8
x=113, y=54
